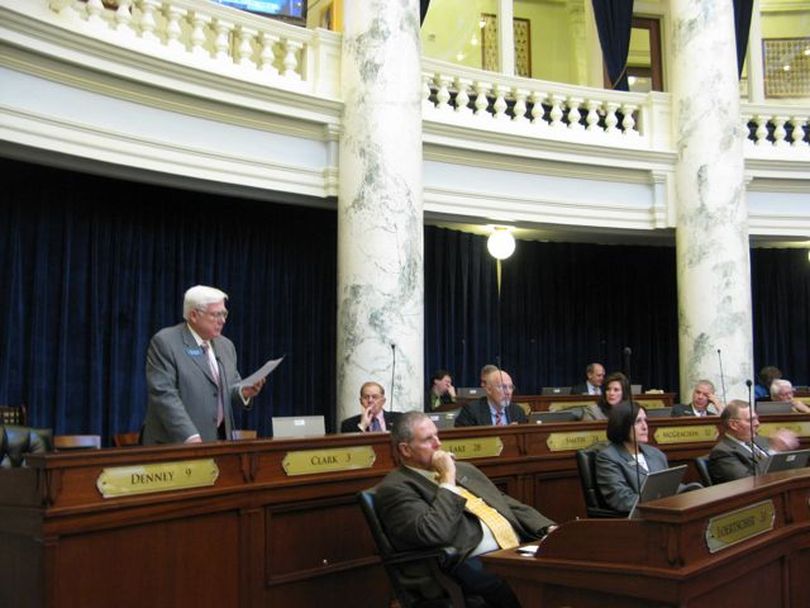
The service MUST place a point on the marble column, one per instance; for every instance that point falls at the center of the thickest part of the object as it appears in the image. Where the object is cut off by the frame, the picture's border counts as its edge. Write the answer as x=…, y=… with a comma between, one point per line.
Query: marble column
x=380, y=322
x=714, y=290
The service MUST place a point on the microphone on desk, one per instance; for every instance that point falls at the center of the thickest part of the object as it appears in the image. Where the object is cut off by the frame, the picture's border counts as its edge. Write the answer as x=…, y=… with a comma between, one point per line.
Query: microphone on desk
x=748, y=383
x=393, y=374
x=722, y=377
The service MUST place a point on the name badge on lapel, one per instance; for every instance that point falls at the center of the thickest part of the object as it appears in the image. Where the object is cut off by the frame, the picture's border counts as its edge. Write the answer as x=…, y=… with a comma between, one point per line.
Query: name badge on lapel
x=194, y=352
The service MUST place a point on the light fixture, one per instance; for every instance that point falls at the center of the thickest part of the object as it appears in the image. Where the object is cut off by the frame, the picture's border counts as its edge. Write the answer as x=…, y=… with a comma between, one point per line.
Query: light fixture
x=808, y=255
x=501, y=243
x=786, y=67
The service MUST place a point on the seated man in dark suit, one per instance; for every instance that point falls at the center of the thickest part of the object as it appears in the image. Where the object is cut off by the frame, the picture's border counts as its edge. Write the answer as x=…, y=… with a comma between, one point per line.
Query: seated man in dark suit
x=594, y=377
x=704, y=402
x=372, y=416
x=433, y=501
x=732, y=457
x=496, y=407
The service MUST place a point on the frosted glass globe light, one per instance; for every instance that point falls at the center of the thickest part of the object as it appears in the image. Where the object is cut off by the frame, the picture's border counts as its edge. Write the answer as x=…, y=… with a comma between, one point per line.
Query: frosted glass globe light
x=501, y=243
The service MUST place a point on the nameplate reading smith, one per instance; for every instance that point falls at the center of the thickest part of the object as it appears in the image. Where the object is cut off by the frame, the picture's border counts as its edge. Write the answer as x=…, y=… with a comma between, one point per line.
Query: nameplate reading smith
x=115, y=482
x=576, y=440
x=310, y=462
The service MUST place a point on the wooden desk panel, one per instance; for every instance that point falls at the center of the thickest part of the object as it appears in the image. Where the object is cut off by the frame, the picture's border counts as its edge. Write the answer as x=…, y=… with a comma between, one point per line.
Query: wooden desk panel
x=257, y=537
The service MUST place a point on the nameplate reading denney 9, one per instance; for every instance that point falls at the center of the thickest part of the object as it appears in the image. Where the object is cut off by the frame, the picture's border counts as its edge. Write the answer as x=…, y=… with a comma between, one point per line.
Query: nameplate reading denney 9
x=310, y=462
x=115, y=482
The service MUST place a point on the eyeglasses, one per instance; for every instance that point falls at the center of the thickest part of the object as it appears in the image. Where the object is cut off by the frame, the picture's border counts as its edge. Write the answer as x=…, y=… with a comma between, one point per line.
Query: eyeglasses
x=219, y=315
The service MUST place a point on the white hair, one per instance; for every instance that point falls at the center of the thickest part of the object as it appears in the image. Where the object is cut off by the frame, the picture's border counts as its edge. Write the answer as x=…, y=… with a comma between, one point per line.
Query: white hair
x=777, y=386
x=200, y=296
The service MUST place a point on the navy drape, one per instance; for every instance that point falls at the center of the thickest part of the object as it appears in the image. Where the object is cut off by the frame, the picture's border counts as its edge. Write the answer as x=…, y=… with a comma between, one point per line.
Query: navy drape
x=743, y=10
x=423, y=9
x=614, y=19
x=92, y=267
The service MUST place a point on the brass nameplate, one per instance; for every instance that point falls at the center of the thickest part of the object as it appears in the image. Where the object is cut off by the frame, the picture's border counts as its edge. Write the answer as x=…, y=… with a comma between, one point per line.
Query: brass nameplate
x=801, y=428
x=480, y=447
x=731, y=528
x=115, y=482
x=310, y=462
x=575, y=440
x=686, y=434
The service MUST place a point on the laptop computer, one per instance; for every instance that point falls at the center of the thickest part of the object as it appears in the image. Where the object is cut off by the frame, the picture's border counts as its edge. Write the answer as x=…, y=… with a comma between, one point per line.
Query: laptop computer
x=298, y=426
x=444, y=420
x=659, y=484
x=571, y=415
x=774, y=407
x=556, y=390
x=470, y=392
x=659, y=412
x=635, y=389
x=783, y=461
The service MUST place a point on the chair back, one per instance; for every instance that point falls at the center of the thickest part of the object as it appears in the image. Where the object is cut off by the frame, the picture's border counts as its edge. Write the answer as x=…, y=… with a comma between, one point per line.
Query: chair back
x=17, y=441
x=76, y=442
x=702, y=466
x=595, y=504
x=13, y=414
x=415, y=576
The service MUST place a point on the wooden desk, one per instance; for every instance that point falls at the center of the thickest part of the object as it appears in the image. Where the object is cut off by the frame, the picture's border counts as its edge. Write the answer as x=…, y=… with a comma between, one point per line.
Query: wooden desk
x=665, y=558
x=258, y=536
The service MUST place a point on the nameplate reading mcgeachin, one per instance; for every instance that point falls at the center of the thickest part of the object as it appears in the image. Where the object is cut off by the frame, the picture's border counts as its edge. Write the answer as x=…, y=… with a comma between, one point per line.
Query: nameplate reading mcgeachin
x=686, y=434
x=731, y=528
x=480, y=447
x=309, y=462
x=115, y=482
x=575, y=440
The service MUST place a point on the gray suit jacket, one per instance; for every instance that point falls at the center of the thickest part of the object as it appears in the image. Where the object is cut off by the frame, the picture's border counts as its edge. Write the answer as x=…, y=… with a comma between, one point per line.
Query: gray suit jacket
x=476, y=413
x=728, y=460
x=417, y=513
x=182, y=390
x=616, y=474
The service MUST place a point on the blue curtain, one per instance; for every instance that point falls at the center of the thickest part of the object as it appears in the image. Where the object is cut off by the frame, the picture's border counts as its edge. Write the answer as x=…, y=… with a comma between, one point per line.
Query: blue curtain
x=92, y=267
x=743, y=10
x=614, y=20
x=423, y=9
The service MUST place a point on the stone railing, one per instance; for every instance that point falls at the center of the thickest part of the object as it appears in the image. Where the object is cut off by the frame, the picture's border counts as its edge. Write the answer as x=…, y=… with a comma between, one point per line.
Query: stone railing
x=778, y=127
x=210, y=37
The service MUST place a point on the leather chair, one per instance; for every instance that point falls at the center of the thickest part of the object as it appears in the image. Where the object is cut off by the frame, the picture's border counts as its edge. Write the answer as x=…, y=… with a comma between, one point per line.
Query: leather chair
x=595, y=504
x=702, y=466
x=17, y=441
x=416, y=576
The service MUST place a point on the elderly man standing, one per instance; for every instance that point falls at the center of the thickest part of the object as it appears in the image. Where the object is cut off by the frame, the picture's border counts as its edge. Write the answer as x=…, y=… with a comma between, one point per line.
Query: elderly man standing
x=496, y=407
x=191, y=375
x=733, y=457
x=372, y=417
x=433, y=501
x=704, y=402
x=594, y=377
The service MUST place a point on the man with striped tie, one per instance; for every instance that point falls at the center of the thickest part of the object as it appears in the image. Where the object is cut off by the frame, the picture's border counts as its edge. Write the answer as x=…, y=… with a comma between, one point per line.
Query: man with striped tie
x=733, y=457
x=433, y=501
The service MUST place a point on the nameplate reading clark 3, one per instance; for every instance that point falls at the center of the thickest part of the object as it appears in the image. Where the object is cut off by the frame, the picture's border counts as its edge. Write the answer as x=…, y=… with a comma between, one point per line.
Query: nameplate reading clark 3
x=480, y=447
x=736, y=526
x=310, y=462
x=115, y=482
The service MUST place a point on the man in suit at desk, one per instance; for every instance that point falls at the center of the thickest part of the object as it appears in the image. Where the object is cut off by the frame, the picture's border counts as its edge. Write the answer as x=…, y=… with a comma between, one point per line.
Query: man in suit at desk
x=372, y=417
x=433, y=501
x=594, y=377
x=191, y=373
x=733, y=457
x=704, y=402
x=496, y=407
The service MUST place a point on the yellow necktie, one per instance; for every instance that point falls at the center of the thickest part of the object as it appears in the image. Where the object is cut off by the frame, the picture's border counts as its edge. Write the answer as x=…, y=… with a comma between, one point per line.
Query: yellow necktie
x=501, y=528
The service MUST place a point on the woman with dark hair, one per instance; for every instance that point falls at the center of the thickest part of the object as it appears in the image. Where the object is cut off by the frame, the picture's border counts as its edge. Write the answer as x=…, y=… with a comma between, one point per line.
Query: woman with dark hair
x=615, y=389
x=441, y=390
x=617, y=474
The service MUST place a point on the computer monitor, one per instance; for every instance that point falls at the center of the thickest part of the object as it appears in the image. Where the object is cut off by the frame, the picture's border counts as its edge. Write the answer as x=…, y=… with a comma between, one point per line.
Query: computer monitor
x=298, y=426
x=635, y=389
x=659, y=484
x=556, y=390
x=659, y=412
x=470, y=392
x=444, y=420
x=571, y=415
x=783, y=461
x=774, y=407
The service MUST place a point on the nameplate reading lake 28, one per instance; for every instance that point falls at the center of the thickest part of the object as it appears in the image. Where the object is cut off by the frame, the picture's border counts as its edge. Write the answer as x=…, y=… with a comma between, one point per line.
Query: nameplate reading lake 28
x=115, y=482
x=480, y=447
x=310, y=462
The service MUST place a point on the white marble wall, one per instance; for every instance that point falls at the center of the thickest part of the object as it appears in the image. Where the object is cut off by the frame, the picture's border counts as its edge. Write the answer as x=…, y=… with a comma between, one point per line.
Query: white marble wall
x=380, y=239
x=714, y=291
